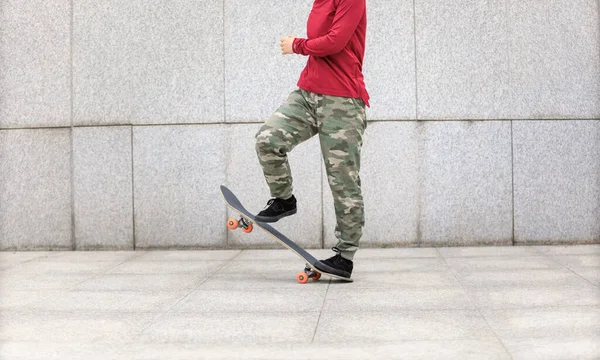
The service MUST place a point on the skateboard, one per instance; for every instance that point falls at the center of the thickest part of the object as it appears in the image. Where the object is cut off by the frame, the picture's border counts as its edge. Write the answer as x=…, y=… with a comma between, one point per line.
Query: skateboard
x=247, y=221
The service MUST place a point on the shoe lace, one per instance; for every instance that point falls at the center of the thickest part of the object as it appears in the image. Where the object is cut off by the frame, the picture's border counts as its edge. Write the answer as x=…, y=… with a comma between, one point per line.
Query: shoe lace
x=269, y=203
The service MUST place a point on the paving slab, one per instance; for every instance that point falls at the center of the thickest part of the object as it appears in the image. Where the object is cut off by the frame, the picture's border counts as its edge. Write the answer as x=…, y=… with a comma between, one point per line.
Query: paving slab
x=107, y=301
x=291, y=300
x=8, y=259
x=142, y=282
x=484, y=251
x=492, y=302
x=514, y=297
x=568, y=250
x=554, y=348
x=351, y=299
x=504, y=263
x=189, y=255
x=232, y=328
x=402, y=325
x=590, y=274
x=488, y=349
x=571, y=261
x=75, y=326
x=523, y=278
x=49, y=350
x=558, y=322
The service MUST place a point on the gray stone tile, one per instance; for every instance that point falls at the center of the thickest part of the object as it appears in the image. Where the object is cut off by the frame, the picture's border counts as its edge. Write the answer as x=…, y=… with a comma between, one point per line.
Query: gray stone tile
x=35, y=189
x=64, y=268
x=590, y=274
x=463, y=68
x=260, y=80
x=176, y=177
x=75, y=326
x=9, y=259
x=381, y=192
x=163, y=62
x=392, y=265
x=556, y=187
x=294, y=300
x=166, y=267
x=528, y=296
x=137, y=282
x=189, y=255
x=516, y=277
x=554, y=59
x=102, y=180
x=35, y=72
x=43, y=281
x=484, y=251
x=348, y=298
x=579, y=261
x=392, y=88
x=557, y=323
x=79, y=257
x=426, y=350
x=15, y=300
x=47, y=350
x=396, y=253
x=110, y=301
x=415, y=280
x=402, y=325
x=246, y=179
x=232, y=328
x=62, y=351
x=584, y=347
x=502, y=263
x=466, y=194
x=591, y=249
x=24, y=256
x=268, y=278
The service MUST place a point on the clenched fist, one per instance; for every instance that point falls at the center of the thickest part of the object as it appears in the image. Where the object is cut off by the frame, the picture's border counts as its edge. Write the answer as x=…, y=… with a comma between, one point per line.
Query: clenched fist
x=286, y=45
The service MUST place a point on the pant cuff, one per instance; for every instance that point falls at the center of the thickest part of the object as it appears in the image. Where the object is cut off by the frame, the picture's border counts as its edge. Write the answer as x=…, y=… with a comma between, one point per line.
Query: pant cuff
x=348, y=255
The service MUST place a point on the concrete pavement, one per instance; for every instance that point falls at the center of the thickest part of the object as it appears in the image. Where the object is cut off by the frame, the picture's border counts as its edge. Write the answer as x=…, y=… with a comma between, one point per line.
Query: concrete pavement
x=408, y=303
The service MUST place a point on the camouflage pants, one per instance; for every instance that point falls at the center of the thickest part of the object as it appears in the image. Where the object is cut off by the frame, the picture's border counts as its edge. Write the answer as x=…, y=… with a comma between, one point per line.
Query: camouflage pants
x=340, y=123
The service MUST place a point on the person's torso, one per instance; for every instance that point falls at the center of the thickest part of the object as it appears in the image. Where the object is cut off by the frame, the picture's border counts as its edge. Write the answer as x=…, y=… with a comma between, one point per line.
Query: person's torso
x=338, y=74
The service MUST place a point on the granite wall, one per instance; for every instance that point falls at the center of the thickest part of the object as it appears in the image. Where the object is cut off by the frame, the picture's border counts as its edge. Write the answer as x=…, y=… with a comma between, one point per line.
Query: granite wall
x=120, y=119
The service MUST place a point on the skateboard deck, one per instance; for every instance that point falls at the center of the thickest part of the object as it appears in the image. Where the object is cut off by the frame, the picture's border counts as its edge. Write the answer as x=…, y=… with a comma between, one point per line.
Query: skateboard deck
x=247, y=221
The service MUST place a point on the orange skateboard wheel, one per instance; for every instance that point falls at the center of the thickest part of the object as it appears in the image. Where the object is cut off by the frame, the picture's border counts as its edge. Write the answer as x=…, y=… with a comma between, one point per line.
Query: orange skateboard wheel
x=301, y=277
x=316, y=276
x=248, y=229
x=232, y=223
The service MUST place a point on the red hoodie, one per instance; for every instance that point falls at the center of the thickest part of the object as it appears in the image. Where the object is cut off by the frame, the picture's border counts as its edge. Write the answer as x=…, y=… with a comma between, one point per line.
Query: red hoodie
x=336, y=31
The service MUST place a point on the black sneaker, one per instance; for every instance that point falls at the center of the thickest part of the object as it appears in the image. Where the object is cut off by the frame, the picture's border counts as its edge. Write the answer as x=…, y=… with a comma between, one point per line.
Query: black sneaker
x=336, y=265
x=276, y=209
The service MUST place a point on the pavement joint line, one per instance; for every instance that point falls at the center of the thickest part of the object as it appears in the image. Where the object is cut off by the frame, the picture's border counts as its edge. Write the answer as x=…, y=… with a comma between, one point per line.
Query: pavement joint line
x=321, y=311
x=20, y=263
x=570, y=270
x=477, y=308
x=154, y=321
x=97, y=275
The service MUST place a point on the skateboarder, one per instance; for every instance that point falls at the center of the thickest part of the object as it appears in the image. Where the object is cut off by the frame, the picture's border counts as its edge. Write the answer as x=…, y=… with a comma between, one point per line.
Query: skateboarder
x=330, y=101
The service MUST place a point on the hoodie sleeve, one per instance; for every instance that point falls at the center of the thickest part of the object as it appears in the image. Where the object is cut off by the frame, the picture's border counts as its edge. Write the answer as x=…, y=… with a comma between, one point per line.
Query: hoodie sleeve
x=345, y=21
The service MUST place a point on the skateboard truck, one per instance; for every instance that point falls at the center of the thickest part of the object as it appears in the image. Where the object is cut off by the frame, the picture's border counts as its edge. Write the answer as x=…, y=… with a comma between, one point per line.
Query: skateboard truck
x=241, y=223
x=303, y=276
